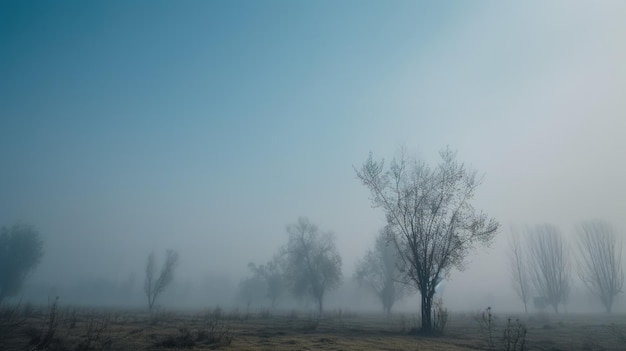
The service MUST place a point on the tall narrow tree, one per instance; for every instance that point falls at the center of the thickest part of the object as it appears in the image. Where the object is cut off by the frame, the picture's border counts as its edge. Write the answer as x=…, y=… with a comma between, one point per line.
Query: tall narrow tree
x=154, y=286
x=600, y=261
x=519, y=269
x=548, y=257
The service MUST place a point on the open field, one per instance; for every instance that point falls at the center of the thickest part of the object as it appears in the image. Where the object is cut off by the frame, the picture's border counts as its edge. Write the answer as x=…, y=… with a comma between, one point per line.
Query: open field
x=70, y=328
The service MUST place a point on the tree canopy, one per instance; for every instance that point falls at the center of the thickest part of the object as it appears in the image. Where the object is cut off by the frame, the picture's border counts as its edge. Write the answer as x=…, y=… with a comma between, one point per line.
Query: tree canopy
x=21, y=249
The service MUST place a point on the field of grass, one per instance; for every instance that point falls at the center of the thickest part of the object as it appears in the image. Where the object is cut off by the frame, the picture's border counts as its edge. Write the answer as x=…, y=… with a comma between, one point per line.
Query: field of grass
x=70, y=328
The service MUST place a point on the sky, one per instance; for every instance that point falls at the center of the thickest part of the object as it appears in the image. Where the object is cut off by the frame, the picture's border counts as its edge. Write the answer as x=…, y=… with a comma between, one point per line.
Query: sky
x=208, y=126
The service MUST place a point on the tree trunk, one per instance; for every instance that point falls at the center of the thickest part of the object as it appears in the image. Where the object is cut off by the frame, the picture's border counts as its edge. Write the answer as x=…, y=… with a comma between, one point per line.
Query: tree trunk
x=608, y=305
x=526, y=307
x=427, y=323
x=320, y=304
x=150, y=303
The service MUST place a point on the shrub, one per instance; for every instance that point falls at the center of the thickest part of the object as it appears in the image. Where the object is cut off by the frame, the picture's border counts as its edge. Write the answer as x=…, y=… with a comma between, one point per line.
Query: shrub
x=440, y=316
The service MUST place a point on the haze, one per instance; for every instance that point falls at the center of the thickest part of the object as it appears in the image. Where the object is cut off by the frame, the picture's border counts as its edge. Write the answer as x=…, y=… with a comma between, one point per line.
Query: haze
x=207, y=127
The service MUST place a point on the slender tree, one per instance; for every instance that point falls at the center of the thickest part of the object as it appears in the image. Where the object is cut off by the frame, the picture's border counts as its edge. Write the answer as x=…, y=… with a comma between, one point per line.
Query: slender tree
x=313, y=264
x=600, y=261
x=381, y=271
x=549, y=268
x=154, y=286
x=519, y=269
x=430, y=213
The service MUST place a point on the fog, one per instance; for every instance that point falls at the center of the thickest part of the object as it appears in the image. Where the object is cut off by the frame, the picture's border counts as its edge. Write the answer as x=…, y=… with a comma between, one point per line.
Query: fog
x=208, y=127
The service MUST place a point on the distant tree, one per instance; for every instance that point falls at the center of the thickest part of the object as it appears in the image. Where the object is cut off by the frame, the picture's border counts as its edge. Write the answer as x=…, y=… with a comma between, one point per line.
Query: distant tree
x=313, y=264
x=549, y=268
x=519, y=269
x=429, y=211
x=252, y=289
x=21, y=250
x=600, y=261
x=153, y=287
x=272, y=275
x=380, y=270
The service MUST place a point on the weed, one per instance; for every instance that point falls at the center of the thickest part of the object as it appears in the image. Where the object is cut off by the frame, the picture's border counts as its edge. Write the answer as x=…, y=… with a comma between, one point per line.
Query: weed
x=10, y=319
x=216, y=333
x=93, y=335
x=440, y=316
x=184, y=339
x=485, y=323
x=514, y=335
x=46, y=336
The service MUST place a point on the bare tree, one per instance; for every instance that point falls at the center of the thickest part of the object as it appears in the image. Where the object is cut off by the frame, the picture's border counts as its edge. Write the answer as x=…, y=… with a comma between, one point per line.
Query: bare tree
x=548, y=259
x=272, y=275
x=313, y=264
x=154, y=287
x=519, y=269
x=252, y=289
x=381, y=271
x=429, y=212
x=600, y=261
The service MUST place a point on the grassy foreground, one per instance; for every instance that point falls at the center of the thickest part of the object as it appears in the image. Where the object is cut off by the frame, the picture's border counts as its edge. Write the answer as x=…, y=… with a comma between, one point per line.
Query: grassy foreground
x=70, y=328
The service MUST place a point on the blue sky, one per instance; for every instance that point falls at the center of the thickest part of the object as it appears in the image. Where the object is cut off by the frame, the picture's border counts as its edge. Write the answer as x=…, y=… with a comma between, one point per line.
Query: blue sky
x=209, y=126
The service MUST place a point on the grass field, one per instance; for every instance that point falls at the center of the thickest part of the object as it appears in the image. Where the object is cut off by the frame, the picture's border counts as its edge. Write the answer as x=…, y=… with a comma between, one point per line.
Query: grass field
x=70, y=328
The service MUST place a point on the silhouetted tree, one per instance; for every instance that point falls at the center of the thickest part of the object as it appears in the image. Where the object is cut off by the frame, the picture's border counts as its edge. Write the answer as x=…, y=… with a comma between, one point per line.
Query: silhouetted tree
x=21, y=249
x=153, y=287
x=519, y=269
x=313, y=264
x=429, y=212
x=272, y=275
x=252, y=289
x=548, y=260
x=600, y=261
x=380, y=270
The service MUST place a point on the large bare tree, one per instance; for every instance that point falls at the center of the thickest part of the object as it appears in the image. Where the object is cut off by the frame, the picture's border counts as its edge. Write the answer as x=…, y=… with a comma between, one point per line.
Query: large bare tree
x=429, y=211
x=600, y=261
x=154, y=286
x=549, y=266
x=381, y=271
x=313, y=264
x=519, y=269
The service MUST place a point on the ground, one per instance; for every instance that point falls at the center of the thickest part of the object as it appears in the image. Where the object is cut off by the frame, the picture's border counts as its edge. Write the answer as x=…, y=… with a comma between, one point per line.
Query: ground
x=74, y=328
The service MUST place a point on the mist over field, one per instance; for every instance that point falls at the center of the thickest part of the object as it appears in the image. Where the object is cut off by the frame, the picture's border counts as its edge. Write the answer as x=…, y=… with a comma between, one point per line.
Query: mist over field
x=210, y=127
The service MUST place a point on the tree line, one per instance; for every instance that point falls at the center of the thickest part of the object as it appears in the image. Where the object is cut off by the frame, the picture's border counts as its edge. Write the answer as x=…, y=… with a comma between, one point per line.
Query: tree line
x=431, y=226
x=541, y=264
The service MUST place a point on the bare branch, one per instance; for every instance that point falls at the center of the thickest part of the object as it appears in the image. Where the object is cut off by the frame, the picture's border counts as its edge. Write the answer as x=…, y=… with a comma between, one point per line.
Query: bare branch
x=600, y=261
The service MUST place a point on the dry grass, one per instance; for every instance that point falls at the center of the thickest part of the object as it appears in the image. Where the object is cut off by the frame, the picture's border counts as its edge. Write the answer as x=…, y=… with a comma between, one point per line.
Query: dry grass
x=92, y=329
